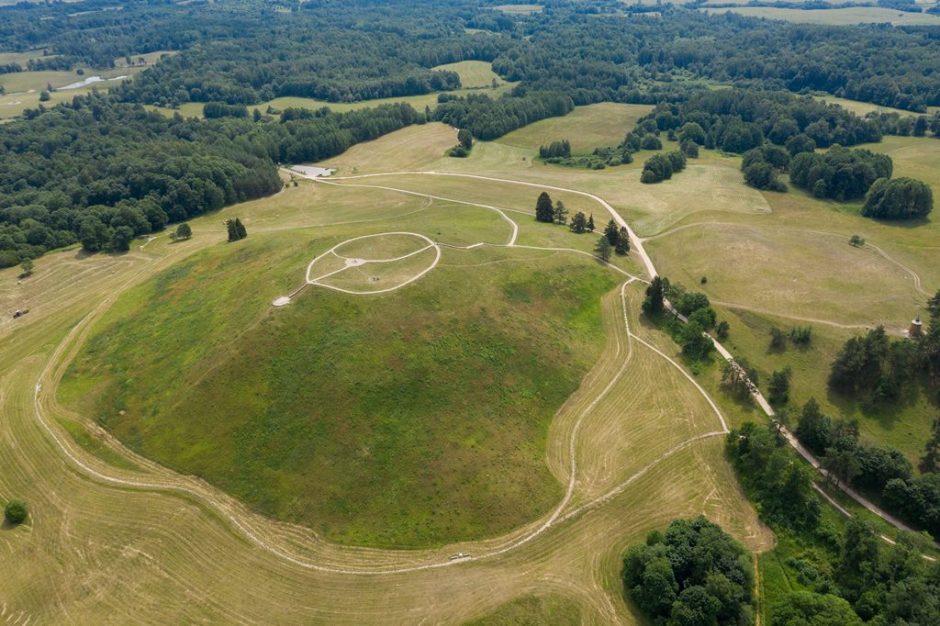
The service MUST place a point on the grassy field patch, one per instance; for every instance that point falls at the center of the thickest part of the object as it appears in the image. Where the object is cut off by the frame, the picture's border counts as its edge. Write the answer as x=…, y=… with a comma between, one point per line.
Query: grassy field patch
x=588, y=127
x=473, y=74
x=533, y=610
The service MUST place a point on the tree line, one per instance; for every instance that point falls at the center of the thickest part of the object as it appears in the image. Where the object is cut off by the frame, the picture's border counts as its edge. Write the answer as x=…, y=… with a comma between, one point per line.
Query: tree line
x=100, y=172
x=488, y=118
x=880, y=470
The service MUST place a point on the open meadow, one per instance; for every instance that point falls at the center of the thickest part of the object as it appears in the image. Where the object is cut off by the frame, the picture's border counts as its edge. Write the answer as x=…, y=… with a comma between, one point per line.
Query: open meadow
x=603, y=424
x=222, y=458
x=770, y=259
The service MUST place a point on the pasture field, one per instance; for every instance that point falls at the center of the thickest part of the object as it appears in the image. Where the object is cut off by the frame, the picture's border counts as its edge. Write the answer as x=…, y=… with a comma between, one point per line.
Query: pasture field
x=625, y=443
x=793, y=267
x=863, y=108
x=587, y=127
x=533, y=610
x=473, y=74
x=519, y=9
x=836, y=17
x=770, y=258
x=21, y=57
x=632, y=444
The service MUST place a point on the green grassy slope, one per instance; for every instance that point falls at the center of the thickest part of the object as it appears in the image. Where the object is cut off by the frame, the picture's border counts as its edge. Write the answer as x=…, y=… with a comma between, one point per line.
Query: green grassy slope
x=413, y=418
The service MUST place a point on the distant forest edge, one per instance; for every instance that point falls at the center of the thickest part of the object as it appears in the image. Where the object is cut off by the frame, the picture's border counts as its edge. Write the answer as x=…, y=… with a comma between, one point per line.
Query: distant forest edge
x=101, y=170
x=101, y=173
x=249, y=51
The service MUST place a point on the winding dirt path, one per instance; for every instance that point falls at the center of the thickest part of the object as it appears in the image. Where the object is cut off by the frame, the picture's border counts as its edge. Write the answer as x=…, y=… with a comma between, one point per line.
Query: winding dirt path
x=637, y=246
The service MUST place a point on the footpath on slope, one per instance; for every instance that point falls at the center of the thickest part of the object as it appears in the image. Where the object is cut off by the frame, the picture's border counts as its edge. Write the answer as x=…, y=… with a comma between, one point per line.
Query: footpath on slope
x=637, y=246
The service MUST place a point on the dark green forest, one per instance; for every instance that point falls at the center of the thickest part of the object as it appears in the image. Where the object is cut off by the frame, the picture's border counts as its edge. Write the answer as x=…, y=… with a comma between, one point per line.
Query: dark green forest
x=102, y=172
x=838, y=572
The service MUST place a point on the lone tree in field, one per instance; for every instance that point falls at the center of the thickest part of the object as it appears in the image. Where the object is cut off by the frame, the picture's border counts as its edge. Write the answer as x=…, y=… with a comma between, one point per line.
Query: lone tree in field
x=590, y=222
x=655, y=296
x=603, y=248
x=27, y=267
x=622, y=246
x=561, y=213
x=612, y=232
x=183, y=231
x=579, y=223
x=236, y=230
x=15, y=512
x=544, y=209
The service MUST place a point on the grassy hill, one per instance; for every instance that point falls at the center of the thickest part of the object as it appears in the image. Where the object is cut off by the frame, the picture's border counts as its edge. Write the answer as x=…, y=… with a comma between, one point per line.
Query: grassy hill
x=408, y=419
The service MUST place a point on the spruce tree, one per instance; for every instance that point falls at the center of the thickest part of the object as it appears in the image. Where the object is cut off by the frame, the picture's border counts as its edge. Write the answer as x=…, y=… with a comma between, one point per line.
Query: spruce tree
x=578, y=223
x=544, y=209
x=240, y=229
x=590, y=223
x=232, y=232
x=653, y=304
x=622, y=246
x=603, y=248
x=612, y=232
x=561, y=213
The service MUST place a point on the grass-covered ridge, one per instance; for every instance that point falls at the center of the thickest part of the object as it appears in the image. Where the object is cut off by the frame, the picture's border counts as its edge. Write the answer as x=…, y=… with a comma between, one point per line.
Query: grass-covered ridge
x=414, y=418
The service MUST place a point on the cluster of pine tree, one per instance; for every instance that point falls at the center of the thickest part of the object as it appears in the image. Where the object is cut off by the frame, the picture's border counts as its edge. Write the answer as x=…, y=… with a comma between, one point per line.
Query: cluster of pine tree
x=236, y=230
x=556, y=149
x=557, y=213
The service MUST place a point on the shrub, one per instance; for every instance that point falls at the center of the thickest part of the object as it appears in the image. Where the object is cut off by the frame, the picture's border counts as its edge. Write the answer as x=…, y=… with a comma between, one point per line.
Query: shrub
x=651, y=142
x=15, y=512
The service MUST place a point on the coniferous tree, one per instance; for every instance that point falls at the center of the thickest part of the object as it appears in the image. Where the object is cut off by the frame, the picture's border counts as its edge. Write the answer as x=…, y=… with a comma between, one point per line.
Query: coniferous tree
x=603, y=248
x=240, y=229
x=590, y=222
x=579, y=223
x=612, y=232
x=544, y=209
x=655, y=296
x=232, y=230
x=561, y=213
x=623, y=242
